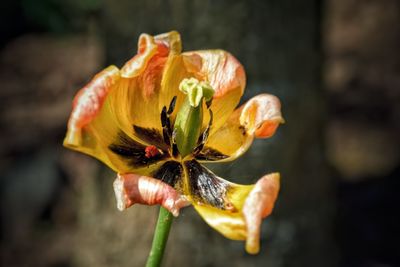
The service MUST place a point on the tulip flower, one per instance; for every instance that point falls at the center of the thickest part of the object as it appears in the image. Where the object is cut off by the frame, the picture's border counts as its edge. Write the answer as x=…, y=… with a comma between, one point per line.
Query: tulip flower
x=163, y=114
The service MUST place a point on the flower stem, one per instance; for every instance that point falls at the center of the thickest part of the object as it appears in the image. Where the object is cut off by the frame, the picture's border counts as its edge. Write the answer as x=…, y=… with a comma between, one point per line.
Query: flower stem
x=160, y=238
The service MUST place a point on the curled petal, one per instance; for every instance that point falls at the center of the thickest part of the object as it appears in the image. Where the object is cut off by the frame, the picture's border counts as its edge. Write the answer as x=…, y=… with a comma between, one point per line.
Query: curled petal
x=257, y=206
x=172, y=40
x=259, y=118
x=234, y=210
x=151, y=57
x=219, y=68
x=146, y=50
x=132, y=188
x=261, y=115
x=150, y=81
x=226, y=76
x=88, y=103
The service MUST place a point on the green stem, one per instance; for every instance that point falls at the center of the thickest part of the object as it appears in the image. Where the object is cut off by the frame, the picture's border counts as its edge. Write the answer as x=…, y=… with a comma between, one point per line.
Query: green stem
x=160, y=238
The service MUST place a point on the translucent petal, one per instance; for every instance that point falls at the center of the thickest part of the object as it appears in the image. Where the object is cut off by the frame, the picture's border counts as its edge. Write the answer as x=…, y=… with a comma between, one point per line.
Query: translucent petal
x=225, y=75
x=261, y=115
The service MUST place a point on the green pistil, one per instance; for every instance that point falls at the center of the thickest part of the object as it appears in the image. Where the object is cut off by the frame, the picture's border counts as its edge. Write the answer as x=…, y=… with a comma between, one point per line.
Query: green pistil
x=196, y=90
x=189, y=120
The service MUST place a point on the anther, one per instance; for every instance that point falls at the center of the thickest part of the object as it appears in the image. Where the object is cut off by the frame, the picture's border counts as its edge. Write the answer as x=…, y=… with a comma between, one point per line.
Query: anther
x=172, y=106
x=151, y=151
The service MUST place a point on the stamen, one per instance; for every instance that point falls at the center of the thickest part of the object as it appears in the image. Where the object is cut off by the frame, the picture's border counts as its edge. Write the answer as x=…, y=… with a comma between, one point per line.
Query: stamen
x=164, y=116
x=166, y=125
x=203, y=137
x=172, y=105
x=208, y=103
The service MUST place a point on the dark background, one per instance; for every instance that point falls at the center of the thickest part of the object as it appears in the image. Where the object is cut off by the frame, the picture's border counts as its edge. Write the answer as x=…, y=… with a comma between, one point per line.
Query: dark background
x=335, y=65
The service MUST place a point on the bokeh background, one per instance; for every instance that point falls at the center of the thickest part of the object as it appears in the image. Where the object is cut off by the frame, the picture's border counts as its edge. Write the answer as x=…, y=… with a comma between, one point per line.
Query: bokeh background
x=335, y=65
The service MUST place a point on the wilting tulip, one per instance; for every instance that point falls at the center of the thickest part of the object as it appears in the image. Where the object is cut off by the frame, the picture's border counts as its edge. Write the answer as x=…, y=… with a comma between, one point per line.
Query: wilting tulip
x=155, y=120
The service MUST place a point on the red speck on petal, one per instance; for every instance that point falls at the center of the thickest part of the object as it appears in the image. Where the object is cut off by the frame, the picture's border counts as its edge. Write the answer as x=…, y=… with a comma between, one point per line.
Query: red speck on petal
x=151, y=151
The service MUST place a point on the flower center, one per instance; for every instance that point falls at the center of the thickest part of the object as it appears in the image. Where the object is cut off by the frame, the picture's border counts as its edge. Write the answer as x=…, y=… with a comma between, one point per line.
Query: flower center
x=189, y=120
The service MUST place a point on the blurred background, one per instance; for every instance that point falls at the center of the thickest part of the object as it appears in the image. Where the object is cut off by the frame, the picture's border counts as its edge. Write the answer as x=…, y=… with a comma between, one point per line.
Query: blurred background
x=335, y=65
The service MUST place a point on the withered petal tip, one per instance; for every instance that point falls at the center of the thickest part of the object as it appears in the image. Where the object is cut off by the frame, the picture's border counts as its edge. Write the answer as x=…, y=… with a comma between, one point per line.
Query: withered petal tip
x=119, y=193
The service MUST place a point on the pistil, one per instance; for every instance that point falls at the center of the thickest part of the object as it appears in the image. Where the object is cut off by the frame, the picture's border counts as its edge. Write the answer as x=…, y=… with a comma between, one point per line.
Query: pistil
x=189, y=120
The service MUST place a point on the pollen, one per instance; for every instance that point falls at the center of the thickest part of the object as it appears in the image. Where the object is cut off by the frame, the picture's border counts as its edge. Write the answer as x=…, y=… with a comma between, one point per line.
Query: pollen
x=151, y=151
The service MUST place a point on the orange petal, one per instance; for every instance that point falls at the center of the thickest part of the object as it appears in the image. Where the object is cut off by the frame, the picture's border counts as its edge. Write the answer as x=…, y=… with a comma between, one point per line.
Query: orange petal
x=88, y=103
x=132, y=188
x=225, y=74
x=248, y=205
x=172, y=40
x=258, y=205
x=259, y=117
x=222, y=70
x=146, y=50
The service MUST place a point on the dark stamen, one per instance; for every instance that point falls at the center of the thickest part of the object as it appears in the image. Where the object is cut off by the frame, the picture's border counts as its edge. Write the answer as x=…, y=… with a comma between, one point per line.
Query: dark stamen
x=175, y=151
x=133, y=152
x=166, y=125
x=203, y=137
x=170, y=172
x=164, y=116
x=172, y=105
x=210, y=154
x=209, y=102
x=151, y=136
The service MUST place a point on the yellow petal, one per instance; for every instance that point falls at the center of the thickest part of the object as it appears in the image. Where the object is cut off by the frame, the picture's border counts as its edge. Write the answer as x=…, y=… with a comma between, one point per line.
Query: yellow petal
x=88, y=102
x=127, y=103
x=225, y=75
x=93, y=126
x=259, y=117
x=140, y=98
x=147, y=48
x=172, y=40
x=173, y=75
x=251, y=203
x=87, y=107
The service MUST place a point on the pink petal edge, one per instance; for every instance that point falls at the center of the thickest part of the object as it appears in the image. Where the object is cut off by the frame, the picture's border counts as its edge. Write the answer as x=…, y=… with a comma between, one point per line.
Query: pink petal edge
x=137, y=189
x=88, y=102
x=261, y=115
x=258, y=205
